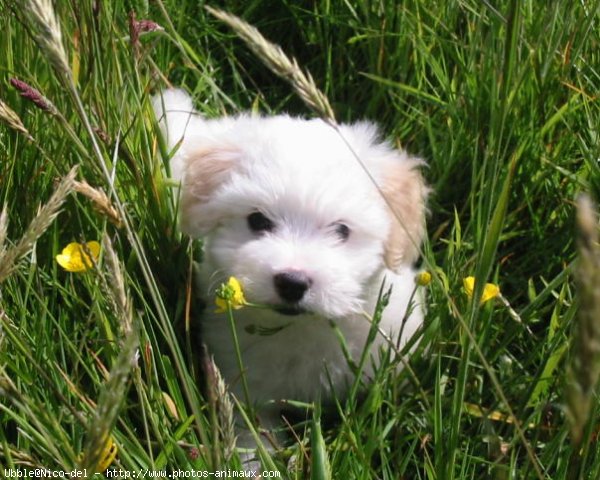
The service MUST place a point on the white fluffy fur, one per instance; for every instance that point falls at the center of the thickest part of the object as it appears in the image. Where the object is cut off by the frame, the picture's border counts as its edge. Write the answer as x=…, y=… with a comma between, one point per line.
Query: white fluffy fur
x=302, y=176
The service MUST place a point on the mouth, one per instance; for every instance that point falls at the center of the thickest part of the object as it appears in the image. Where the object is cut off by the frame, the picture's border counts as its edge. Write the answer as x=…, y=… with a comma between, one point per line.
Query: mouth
x=290, y=310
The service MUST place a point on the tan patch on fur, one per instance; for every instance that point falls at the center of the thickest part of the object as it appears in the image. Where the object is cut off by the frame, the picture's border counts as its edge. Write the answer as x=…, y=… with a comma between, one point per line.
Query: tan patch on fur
x=206, y=169
x=405, y=192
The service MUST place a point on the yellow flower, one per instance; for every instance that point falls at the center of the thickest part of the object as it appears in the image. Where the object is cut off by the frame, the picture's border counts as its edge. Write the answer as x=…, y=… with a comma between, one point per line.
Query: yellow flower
x=230, y=293
x=76, y=258
x=108, y=455
x=423, y=278
x=489, y=291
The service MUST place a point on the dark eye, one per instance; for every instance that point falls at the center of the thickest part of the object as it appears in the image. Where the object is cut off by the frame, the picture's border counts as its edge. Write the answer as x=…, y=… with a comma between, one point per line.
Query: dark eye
x=259, y=223
x=342, y=231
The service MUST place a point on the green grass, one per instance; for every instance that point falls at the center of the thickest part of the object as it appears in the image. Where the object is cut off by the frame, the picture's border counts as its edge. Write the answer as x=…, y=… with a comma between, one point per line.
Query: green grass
x=500, y=99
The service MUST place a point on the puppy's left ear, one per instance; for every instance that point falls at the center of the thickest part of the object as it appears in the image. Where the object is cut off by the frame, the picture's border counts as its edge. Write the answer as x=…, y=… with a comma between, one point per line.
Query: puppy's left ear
x=405, y=193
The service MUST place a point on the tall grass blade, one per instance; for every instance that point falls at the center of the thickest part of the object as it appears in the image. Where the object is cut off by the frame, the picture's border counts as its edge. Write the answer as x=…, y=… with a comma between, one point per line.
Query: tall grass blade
x=319, y=466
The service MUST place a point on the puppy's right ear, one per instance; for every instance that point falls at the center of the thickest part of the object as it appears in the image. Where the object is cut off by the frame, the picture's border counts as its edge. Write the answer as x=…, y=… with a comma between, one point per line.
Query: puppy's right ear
x=207, y=168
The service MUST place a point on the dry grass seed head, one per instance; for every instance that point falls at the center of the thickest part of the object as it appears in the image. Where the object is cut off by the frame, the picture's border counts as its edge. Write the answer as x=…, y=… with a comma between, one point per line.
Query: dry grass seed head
x=584, y=368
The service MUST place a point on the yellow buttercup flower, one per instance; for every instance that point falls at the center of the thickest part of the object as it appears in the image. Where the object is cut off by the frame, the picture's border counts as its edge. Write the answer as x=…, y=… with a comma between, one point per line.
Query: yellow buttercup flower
x=490, y=290
x=75, y=257
x=108, y=455
x=423, y=278
x=230, y=293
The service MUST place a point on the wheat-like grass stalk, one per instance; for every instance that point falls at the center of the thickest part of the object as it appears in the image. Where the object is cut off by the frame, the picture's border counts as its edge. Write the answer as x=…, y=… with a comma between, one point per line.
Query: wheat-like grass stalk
x=9, y=116
x=277, y=61
x=119, y=294
x=101, y=202
x=584, y=368
x=226, y=417
x=44, y=218
x=48, y=34
x=218, y=396
x=34, y=96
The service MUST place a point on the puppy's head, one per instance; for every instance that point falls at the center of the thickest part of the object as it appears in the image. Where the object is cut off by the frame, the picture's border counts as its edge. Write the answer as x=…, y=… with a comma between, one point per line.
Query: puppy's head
x=284, y=206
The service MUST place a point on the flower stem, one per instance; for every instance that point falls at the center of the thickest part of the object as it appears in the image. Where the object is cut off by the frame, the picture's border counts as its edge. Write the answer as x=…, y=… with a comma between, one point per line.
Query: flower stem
x=238, y=355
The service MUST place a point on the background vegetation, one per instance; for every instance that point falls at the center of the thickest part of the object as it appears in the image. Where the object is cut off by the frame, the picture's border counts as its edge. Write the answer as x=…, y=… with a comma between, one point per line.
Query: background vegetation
x=499, y=97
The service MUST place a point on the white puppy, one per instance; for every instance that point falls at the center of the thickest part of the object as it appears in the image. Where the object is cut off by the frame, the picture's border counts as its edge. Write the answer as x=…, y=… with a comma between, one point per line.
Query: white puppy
x=284, y=205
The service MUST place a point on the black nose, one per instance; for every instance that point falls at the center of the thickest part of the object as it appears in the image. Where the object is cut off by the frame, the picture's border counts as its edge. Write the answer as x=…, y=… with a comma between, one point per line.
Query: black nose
x=291, y=285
